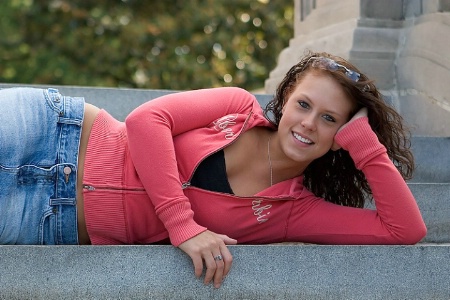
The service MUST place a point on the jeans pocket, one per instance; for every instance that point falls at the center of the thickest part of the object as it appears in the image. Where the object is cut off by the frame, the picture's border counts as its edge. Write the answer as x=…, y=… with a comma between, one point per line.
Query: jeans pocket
x=48, y=228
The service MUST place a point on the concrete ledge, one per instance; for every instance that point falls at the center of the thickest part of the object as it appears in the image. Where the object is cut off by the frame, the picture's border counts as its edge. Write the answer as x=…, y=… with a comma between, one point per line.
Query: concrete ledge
x=259, y=272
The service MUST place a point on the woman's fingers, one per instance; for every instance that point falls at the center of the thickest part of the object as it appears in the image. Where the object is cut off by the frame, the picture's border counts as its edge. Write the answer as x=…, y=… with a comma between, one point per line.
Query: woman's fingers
x=227, y=240
x=219, y=275
x=198, y=265
x=218, y=263
x=363, y=112
x=227, y=260
x=226, y=254
x=214, y=269
x=210, y=248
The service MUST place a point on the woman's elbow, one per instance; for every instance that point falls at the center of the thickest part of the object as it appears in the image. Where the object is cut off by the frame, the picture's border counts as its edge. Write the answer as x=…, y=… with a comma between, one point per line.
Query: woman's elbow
x=421, y=232
x=414, y=235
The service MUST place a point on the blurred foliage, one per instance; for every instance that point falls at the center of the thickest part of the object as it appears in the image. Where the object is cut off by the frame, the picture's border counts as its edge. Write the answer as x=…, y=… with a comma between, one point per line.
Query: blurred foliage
x=169, y=44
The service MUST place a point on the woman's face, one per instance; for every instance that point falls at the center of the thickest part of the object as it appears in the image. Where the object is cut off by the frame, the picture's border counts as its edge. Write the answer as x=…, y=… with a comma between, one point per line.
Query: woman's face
x=312, y=115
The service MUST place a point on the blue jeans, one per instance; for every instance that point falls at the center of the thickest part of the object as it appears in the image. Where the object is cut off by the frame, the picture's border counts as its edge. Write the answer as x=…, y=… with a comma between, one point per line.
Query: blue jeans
x=39, y=139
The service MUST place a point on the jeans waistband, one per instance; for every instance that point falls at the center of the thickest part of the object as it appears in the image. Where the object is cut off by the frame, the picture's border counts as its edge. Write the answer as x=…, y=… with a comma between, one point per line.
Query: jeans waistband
x=70, y=119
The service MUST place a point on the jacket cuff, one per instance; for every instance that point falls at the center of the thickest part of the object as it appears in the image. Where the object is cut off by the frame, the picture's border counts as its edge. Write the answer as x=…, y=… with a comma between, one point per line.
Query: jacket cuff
x=179, y=222
x=360, y=141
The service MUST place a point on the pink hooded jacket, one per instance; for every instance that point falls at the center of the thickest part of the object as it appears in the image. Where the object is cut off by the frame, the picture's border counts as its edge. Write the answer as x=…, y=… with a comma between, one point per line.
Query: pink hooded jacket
x=137, y=173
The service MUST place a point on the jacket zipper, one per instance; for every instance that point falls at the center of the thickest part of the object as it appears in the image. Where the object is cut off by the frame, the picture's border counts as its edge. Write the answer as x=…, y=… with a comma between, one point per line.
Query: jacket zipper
x=93, y=188
x=187, y=184
x=183, y=186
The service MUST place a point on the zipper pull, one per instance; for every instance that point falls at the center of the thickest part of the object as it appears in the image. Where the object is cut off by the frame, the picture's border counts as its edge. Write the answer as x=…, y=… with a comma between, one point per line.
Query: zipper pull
x=185, y=185
x=88, y=187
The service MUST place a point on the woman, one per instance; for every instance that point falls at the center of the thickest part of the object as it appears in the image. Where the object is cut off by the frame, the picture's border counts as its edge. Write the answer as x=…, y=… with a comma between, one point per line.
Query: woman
x=209, y=168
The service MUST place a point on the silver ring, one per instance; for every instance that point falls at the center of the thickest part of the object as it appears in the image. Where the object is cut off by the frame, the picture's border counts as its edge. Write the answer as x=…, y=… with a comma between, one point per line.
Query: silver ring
x=218, y=257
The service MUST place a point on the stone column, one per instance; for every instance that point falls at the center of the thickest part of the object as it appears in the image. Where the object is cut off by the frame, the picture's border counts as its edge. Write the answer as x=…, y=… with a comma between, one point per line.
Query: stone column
x=402, y=44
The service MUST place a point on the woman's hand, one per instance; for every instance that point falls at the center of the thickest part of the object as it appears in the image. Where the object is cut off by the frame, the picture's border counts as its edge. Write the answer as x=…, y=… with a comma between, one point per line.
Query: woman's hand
x=210, y=248
x=361, y=113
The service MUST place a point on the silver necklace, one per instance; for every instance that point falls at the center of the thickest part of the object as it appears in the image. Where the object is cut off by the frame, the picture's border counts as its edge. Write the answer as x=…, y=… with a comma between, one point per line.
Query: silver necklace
x=270, y=162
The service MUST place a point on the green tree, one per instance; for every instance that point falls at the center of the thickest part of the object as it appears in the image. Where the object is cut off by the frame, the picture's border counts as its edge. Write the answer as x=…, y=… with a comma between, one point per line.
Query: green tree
x=131, y=43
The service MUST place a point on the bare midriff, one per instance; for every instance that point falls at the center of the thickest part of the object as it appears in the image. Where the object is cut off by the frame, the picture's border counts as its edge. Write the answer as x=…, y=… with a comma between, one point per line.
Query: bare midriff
x=90, y=113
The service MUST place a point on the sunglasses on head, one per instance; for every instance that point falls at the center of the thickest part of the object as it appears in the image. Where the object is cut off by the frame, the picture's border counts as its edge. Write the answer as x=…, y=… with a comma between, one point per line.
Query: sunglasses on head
x=330, y=65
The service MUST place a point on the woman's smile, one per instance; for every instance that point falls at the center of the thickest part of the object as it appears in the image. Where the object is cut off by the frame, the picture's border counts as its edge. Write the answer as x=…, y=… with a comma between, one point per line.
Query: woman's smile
x=302, y=139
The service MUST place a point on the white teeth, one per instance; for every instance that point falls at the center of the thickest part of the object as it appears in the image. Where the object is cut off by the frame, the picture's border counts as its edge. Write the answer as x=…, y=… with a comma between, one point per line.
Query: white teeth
x=302, y=139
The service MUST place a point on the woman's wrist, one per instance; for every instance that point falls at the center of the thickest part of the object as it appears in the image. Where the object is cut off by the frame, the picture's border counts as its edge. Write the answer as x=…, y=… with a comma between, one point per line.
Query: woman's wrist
x=360, y=141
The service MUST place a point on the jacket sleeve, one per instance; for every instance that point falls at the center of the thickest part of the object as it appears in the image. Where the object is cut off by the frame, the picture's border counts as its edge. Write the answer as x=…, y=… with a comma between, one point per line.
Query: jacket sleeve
x=151, y=128
x=396, y=219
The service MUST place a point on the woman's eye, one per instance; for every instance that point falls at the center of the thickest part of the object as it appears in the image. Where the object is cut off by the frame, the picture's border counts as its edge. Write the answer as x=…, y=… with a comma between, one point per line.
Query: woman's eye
x=303, y=104
x=329, y=118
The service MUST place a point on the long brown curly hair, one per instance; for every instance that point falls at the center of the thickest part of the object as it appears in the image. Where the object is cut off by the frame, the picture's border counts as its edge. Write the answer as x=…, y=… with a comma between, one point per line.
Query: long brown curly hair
x=334, y=176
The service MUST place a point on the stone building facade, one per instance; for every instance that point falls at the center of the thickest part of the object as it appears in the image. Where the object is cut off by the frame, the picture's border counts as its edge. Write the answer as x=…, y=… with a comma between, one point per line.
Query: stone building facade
x=403, y=44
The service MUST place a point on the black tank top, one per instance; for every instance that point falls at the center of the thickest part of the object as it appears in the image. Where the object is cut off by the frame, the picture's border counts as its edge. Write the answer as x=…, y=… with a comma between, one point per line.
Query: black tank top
x=211, y=174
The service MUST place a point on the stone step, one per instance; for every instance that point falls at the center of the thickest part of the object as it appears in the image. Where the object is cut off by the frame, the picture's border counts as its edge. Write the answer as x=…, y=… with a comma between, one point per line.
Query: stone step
x=259, y=272
x=432, y=159
x=434, y=203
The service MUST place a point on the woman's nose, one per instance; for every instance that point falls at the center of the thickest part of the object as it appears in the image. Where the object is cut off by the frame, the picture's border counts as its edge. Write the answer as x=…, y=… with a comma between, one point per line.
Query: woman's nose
x=309, y=123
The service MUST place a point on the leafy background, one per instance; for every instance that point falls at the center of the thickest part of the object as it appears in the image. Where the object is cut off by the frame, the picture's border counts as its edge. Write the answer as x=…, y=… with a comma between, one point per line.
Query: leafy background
x=143, y=44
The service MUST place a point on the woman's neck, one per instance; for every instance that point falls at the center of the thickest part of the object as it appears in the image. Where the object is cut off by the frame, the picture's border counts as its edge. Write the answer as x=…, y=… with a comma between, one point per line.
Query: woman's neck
x=280, y=165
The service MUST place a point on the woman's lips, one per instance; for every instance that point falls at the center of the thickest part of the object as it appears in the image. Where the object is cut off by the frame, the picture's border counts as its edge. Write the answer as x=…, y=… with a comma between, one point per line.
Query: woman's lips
x=302, y=139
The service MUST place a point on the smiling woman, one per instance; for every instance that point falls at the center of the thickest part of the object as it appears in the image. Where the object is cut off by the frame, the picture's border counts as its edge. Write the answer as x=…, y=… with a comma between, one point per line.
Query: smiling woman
x=207, y=168
x=324, y=176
